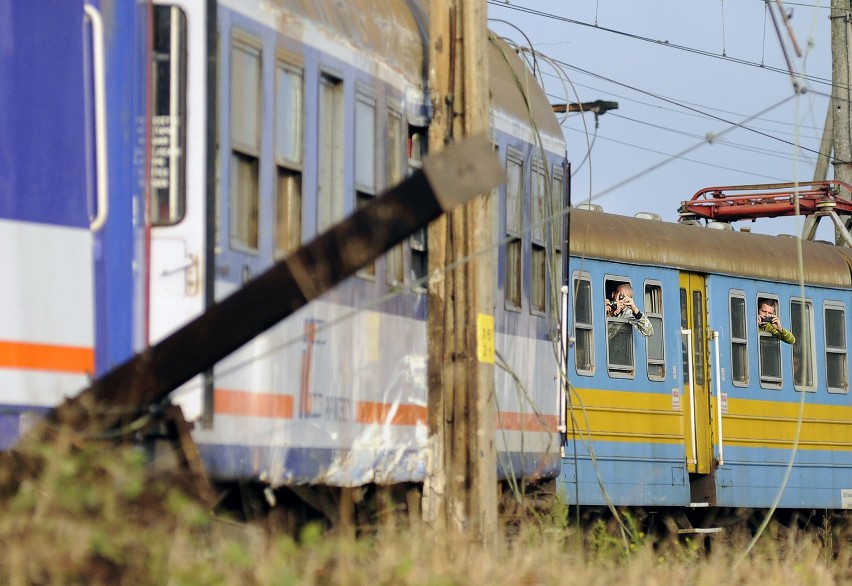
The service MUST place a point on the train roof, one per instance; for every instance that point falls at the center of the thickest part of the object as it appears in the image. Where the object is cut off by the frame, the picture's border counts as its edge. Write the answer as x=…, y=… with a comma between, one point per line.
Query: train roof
x=639, y=241
x=394, y=31
x=511, y=80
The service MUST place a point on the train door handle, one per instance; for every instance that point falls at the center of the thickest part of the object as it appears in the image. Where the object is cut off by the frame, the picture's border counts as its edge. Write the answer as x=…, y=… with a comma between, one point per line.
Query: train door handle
x=191, y=274
x=101, y=174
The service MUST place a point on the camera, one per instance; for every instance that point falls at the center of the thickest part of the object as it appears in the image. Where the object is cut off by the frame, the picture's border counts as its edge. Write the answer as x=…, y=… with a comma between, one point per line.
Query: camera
x=766, y=319
x=612, y=306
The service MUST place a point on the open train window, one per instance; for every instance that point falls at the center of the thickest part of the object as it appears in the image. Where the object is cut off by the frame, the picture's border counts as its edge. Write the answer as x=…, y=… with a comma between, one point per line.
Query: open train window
x=836, y=369
x=655, y=345
x=804, y=354
x=168, y=116
x=769, y=350
x=584, y=333
x=245, y=128
x=419, y=265
x=394, y=165
x=621, y=360
x=289, y=143
x=365, y=158
x=739, y=338
x=513, y=259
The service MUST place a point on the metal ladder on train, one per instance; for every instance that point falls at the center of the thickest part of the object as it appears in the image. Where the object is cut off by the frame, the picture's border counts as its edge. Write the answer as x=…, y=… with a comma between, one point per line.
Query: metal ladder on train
x=813, y=199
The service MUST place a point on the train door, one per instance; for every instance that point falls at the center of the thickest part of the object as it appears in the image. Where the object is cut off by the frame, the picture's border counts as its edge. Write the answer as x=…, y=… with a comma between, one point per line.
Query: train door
x=177, y=209
x=696, y=385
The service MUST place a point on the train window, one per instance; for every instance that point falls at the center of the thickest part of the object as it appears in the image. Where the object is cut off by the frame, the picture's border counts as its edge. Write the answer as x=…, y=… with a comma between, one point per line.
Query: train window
x=394, y=164
x=769, y=350
x=684, y=325
x=330, y=179
x=538, y=202
x=514, y=228
x=365, y=144
x=699, y=339
x=836, y=373
x=365, y=158
x=621, y=361
x=245, y=142
x=418, y=242
x=168, y=116
x=804, y=356
x=554, y=267
x=538, y=229
x=538, y=278
x=584, y=341
x=289, y=90
x=739, y=338
x=655, y=345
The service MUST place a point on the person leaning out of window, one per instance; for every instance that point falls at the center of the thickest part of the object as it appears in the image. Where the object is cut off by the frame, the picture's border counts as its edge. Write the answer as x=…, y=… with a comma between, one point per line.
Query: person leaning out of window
x=621, y=304
x=767, y=321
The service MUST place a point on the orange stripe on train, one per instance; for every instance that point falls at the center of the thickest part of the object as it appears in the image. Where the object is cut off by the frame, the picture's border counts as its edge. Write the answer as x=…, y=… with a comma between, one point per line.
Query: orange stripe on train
x=387, y=413
x=248, y=404
x=47, y=357
x=228, y=402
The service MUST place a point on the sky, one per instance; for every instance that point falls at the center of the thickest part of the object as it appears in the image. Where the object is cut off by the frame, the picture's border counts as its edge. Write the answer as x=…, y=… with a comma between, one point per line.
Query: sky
x=681, y=71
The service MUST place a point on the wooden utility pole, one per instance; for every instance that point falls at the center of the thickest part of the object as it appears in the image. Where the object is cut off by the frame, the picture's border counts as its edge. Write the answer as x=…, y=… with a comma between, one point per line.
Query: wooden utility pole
x=461, y=490
x=841, y=93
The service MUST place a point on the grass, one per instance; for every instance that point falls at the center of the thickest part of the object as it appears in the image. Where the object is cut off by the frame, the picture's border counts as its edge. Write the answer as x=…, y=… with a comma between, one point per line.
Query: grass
x=93, y=515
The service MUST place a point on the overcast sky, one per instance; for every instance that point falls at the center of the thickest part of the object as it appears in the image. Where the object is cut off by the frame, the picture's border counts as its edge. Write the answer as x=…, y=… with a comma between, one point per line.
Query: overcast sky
x=680, y=70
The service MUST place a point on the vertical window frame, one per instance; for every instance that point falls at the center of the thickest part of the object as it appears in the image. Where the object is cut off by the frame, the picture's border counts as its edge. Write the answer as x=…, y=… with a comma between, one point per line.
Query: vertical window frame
x=364, y=160
x=654, y=309
x=804, y=341
x=244, y=212
x=290, y=124
x=586, y=329
x=624, y=329
x=768, y=381
x=168, y=130
x=740, y=342
x=330, y=141
x=418, y=261
x=514, y=230
x=539, y=189
x=833, y=350
x=394, y=173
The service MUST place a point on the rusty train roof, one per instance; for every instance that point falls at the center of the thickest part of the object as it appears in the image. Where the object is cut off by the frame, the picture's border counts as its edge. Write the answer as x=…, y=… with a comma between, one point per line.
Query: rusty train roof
x=394, y=30
x=510, y=79
x=695, y=248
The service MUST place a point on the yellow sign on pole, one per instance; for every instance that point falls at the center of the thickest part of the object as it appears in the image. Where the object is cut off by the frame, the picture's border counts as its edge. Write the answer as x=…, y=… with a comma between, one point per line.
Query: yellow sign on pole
x=485, y=338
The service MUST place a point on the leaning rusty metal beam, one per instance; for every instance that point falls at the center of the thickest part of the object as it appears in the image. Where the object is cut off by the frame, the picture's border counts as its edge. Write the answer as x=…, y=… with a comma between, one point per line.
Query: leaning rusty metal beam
x=455, y=175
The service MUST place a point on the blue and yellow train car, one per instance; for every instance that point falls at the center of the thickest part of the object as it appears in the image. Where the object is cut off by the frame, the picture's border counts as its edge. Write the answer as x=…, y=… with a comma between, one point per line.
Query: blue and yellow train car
x=709, y=410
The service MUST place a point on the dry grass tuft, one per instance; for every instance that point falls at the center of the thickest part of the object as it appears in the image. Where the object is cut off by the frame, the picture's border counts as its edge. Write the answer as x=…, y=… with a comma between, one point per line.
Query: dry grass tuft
x=93, y=515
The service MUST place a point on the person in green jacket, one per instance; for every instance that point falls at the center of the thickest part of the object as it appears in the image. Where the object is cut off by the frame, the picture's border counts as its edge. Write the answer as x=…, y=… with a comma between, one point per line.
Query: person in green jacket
x=768, y=321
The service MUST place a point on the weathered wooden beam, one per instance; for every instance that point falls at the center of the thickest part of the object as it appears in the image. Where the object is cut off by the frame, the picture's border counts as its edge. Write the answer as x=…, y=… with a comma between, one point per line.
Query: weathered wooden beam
x=120, y=396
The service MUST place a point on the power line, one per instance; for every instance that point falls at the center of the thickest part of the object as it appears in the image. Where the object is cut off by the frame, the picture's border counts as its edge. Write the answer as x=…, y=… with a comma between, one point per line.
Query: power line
x=728, y=143
x=693, y=114
x=696, y=161
x=680, y=155
x=815, y=79
x=684, y=106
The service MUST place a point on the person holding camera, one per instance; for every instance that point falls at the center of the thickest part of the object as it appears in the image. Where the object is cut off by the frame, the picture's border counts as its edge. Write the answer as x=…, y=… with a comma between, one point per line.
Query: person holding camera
x=768, y=321
x=621, y=304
